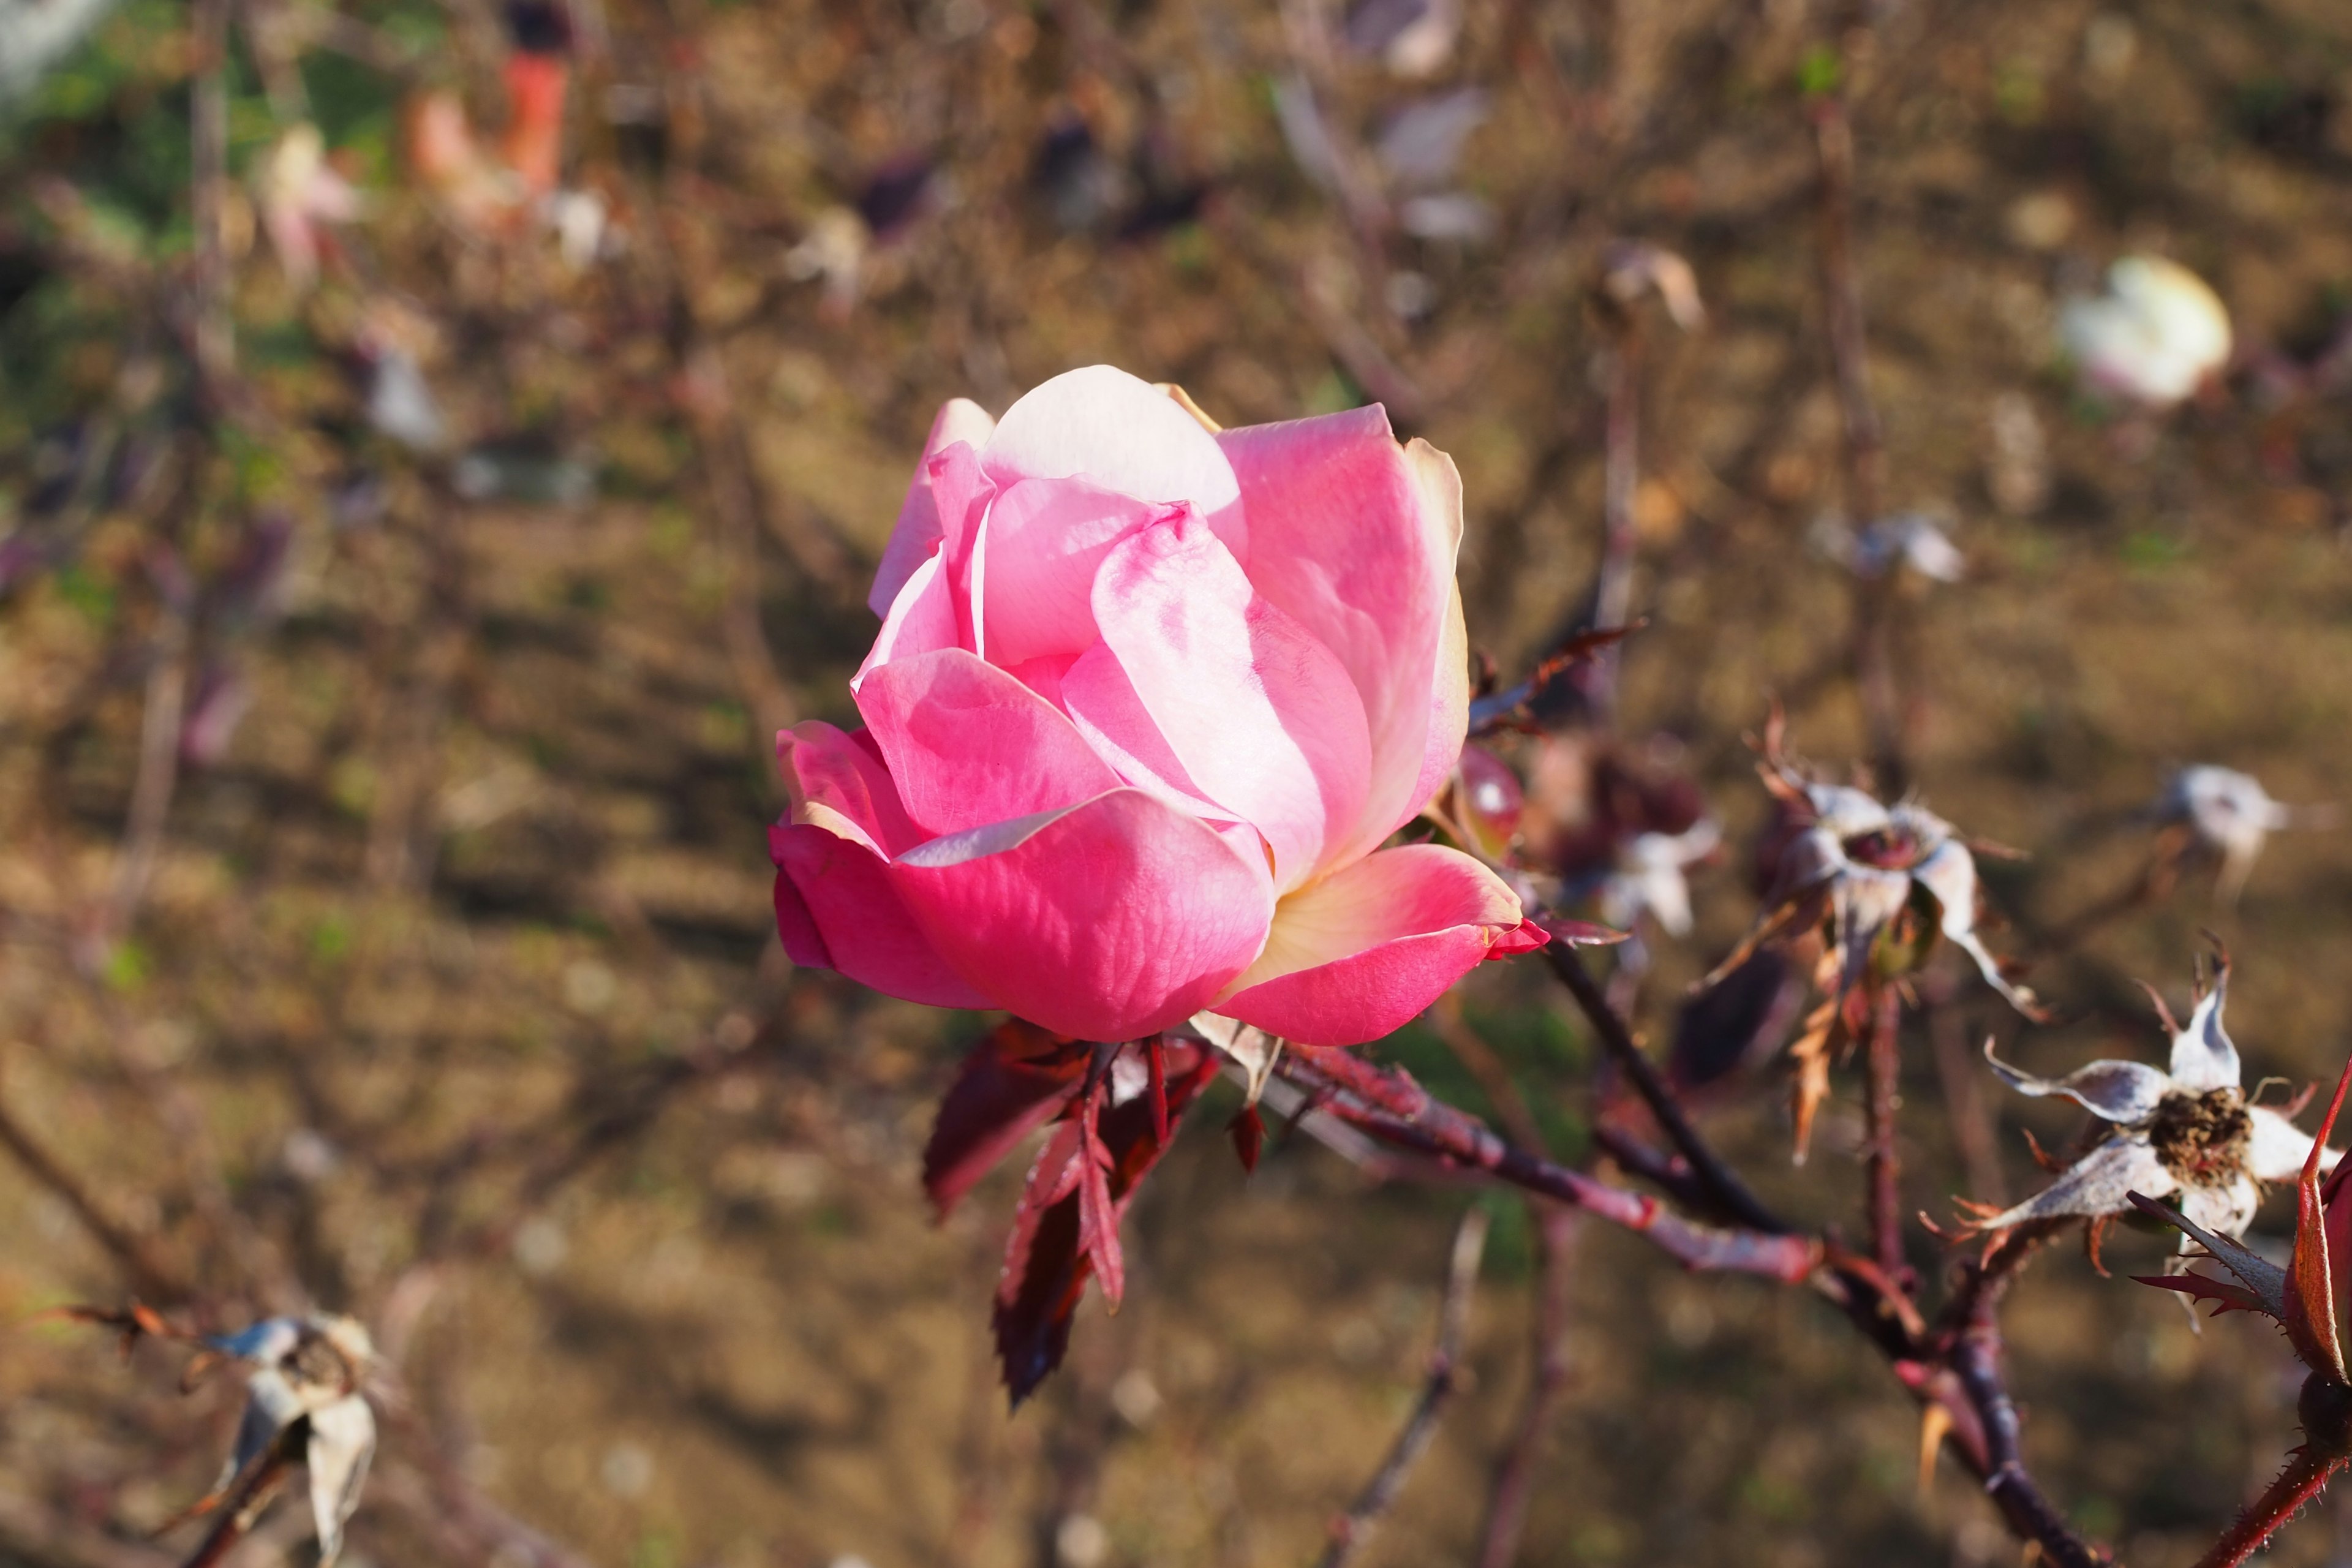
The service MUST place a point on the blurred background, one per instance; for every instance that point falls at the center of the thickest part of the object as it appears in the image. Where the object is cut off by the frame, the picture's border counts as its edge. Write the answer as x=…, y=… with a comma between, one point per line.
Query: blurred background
x=440, y=445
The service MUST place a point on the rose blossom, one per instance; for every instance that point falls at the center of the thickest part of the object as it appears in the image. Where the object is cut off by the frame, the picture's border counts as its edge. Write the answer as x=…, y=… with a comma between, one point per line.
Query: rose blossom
x=1148, y=698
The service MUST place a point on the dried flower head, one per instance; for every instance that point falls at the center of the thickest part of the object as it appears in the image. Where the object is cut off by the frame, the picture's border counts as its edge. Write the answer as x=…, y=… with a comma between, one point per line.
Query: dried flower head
x=1852, y=869
x=305, y=1389
x=1861, y=890
x=2188, y=1134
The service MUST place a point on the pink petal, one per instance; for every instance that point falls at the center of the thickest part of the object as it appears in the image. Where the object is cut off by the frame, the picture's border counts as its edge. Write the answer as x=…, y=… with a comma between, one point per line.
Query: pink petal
x=969, y=745
x=1360, y=952
x=918, y=531
x=933, y=609
x=845, y=774
x=1356, y=537
x=921, y=619
x=1262, y=718
x=1096, y=693
x=1046, y=539
x=1109, y=921
x=1105, y=425
x=836, y=908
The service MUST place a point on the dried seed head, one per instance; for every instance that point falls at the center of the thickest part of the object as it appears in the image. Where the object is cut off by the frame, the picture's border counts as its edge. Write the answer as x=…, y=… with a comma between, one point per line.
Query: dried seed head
x=2203, y=1138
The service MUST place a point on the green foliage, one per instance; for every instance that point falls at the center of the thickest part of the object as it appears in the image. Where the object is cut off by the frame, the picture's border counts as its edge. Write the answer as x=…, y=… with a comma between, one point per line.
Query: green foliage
x=1821, y=72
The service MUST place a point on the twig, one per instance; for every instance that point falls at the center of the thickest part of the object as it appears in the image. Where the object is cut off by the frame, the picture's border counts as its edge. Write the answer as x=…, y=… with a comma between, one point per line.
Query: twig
x=1507, y=1503
x=1387, y=1104
x=718, y=439
x=1612, y=594
x=1865, y=452
x=1514, y=1478
x=133, y=1252
x=1960, y=1075
x=158, y=775
x=1352, y=1528
x=1885, y=1067
x=211, y=331
x=251, y=1494
x=1725, y=1185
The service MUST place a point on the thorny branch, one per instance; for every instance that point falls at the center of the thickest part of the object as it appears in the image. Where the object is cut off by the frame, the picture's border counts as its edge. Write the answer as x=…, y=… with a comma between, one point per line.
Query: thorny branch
x=1953, y=1364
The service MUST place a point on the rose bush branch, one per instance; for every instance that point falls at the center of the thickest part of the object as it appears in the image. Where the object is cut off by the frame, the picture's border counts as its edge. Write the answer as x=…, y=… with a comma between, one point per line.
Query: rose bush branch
x=1959, y=1364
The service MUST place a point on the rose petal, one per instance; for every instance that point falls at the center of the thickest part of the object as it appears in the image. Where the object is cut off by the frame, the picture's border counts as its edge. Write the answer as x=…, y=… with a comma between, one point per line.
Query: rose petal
x=1356, y=537
x=838, y=908
x=2277, y=1148
x=918, y=531
x=1109, y=920
x=2203, y=1056
x=922, y=619
x=2227, y=1209
x=2094, y=1184
x=2117, y=1090
x=1949, y=874
x=1104, y=425
x=1357, y=954
x=1046, y=540
x=1262, y=718
x=968, y=745
x=846, y=775
x=1102, y=701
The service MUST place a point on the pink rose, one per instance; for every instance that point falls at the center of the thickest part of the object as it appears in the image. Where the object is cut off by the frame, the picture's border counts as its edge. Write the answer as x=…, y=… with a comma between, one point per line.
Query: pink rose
x=1147, y=700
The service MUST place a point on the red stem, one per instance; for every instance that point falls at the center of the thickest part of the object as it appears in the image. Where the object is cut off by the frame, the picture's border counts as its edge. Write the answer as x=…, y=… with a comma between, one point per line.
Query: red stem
x=1390, y=1107
x=2306, y=1473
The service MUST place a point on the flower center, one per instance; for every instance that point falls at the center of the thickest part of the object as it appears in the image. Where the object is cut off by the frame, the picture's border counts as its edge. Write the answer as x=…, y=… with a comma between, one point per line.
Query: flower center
x=1886, y=848
x=2201, y=1138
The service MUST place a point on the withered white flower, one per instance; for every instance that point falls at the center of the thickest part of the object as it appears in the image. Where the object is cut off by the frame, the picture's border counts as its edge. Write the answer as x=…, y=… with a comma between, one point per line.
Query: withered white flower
x=2187, y=1133
x=2153, y=336
x=310, y=1372
x=1859, y=863
x=2230, y=814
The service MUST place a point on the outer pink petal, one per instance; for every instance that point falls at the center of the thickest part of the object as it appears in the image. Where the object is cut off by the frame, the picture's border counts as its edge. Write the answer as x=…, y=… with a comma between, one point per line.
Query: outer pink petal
x=845, y=773
x=921, y=619
x=1105, y=425
x=1045, y=541
x=969, y=745
x=918, y=531
x=933, y=607
x=836, y=908
x=1360, y=952
x=1356, y=537
x=1109, y=921
x=1260, y=715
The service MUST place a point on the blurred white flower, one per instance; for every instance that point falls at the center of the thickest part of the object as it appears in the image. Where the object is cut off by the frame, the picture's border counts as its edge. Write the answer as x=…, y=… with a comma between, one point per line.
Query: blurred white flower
x=309, y=1372
x=1912, y=539
x=1651, y=878
x=2230, y=814
x=2153, y=337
